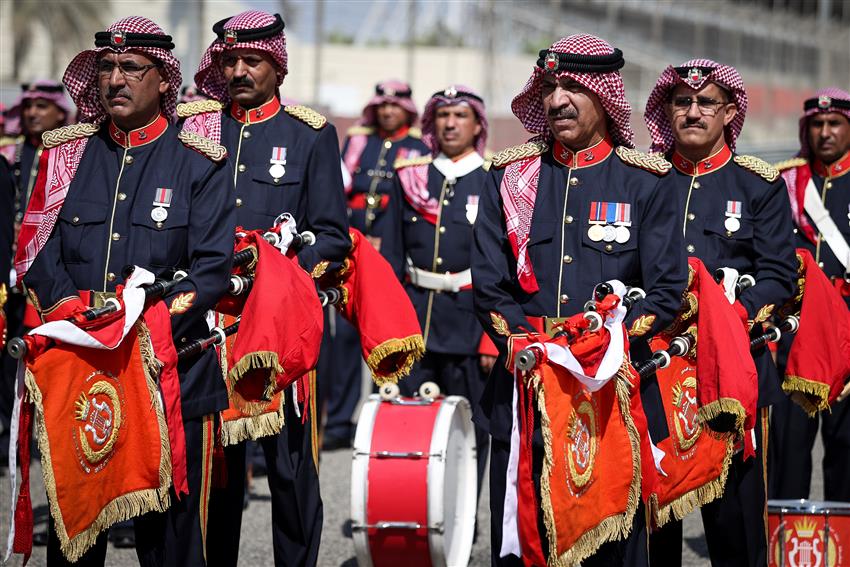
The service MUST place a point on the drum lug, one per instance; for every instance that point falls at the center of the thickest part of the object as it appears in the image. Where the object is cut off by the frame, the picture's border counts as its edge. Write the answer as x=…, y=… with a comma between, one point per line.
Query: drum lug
x=399, y=455
x=438, y=528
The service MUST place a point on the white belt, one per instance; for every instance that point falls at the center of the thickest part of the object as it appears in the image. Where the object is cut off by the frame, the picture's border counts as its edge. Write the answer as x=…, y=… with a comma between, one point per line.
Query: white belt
x=439, y=282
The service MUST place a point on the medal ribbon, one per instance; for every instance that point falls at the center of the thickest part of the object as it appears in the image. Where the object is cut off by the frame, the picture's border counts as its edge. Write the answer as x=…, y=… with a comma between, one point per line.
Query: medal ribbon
x=163, y=197
x=278, y=155
x=733, y=208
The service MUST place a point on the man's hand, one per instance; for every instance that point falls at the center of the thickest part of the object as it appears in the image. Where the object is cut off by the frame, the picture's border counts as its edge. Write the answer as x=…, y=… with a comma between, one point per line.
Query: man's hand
x=487, y=362
x=844, y=393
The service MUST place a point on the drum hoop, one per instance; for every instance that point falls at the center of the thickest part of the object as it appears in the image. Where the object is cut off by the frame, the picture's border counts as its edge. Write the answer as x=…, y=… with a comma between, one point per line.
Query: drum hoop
x=360, y=477
x=808, y=507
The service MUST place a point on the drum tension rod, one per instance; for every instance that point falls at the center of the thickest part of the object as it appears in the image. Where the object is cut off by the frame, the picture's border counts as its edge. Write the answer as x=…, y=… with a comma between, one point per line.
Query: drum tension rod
x=396, y=526
x=400, y=454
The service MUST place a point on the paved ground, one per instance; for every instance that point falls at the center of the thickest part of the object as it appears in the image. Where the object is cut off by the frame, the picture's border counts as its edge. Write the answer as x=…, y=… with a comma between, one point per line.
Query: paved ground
x=337, y=548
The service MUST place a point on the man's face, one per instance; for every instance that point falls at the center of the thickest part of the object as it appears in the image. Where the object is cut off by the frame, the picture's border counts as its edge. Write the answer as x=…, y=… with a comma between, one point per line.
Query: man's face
x=575, y=114
x=251, y=76
x=391, y=117
x=457, y=127
x=131, y=87
x=40, y=115
x=698, y=117
x=829, y=136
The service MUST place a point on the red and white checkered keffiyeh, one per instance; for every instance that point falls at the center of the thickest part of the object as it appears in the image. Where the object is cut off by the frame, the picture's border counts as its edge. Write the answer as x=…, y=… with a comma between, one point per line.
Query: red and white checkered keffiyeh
x=455, y=94
x=528, y=104
x=391, y=91
x=519, y=191
x=414, y=183
x=210, y=78
x=824, y=98
x=724, y=75
x=81, y=75
x=48, y=90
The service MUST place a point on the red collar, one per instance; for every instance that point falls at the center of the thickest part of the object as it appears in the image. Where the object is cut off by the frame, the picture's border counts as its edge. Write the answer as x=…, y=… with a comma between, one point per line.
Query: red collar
x=708, y=165
x=254, y=115
x=140, y=136
x=835, y=169
x=396, y=136
x=597, y=153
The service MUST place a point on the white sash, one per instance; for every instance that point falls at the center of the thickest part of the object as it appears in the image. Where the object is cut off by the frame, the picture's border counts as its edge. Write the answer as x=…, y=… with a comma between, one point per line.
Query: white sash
x=822, y=220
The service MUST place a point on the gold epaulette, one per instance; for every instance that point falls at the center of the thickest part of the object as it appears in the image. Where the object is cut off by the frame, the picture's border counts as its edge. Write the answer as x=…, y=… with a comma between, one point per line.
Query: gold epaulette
x=215, y=152
x=488, y=160
x=187, y=109
x=514, y=153
x=654, y=163
x=415, y=132
x=10, y=140
x=360, y=131
x=789, y=163
x=407, y=162
x=759, y=167
x=53, y=138
x=308, y=116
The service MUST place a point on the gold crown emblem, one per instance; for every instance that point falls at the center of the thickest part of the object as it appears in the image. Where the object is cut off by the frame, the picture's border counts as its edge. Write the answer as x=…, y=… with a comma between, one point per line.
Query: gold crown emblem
x=82, y=405
x=805, y=528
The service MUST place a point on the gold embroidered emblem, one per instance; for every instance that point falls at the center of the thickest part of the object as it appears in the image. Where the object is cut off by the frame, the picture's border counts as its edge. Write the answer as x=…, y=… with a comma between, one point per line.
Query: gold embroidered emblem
x=500, y=324
x=100, y=411
x=686, y=412
x=581, y=444
x=641, y=325
x=4, y=295
x=182, y=303
x=763, y=315
x=320, y=269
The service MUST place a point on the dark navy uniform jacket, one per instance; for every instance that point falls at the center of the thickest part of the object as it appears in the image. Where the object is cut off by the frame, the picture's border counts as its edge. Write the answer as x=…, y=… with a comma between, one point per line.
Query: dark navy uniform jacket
x=376, y=166
x=444, y=246
x=568, y=263
x=106, y=224
x=749, y=190
x=7, y=221
x=309, y=185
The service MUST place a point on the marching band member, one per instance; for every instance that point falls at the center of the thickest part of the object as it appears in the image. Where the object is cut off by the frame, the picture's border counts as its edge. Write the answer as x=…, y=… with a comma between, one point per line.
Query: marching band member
x=430, y=241
x=819, y=187
x=733, y=212
x=283, y=158
x=130, y=191
x=574, y=207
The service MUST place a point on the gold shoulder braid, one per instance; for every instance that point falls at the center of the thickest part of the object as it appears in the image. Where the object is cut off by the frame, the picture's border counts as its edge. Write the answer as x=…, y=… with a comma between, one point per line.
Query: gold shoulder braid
x=414, y=132
x=789, y=163
x=53, y=138
x=654, y=163
x=215, y=152
x=522, y=151
x=408, y=162
x=307, y=115
x=758, y=166
x=360, y=131
x=188, y=109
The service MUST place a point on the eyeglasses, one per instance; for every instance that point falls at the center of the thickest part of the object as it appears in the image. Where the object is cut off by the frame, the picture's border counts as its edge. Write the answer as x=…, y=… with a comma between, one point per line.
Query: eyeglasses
x=128, y=69
x=707, y=106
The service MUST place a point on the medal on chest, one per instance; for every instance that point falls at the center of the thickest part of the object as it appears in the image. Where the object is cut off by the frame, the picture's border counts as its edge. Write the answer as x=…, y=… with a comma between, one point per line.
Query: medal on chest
x=610, y=222
x=733, y=216
x=161, y=203
x=278, y=161
x=471, y=208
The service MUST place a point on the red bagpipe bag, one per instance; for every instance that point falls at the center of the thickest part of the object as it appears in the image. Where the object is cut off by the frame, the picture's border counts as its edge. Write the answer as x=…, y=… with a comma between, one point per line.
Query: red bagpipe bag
x=280, y=333
x=596, y=452
x=819, y=359
x=375, y=303
x=102, y=434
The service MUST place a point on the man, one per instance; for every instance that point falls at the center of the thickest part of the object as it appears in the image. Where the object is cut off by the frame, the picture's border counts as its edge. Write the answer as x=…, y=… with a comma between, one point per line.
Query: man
x=538, y=253
x=368, y=154
x=819, y=171
x=435, y=205
x=733, y=212
x=283, y=159
x=137, y=194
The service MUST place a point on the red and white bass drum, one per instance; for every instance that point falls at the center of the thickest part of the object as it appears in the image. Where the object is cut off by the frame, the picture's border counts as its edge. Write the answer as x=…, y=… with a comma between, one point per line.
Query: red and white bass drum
x=808, y=533
x=413, y=480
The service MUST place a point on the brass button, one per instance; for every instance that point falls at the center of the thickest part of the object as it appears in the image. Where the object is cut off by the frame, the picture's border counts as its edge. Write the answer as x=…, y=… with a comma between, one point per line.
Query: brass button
x=568, y=259
x=608, y=247
x=690, y=248
x=795, y=231
x=122, y=196
x=728, y=233
x=439, y=261
x=574, y=181
x=382, y=162
x=246, y=134
x=388, y=144
x=414, y=219
x=691, y=216
x=241, y=168
x=445, y=202
x=110, y=277
x=128, y=159
x=159, y=225
x=564, y=298
x=442, y=230
x=820, y=264
x=238, y=201
x=75, y=220
x=568, y=219
x=828, y=184
x=116, y=236
x=696, y=185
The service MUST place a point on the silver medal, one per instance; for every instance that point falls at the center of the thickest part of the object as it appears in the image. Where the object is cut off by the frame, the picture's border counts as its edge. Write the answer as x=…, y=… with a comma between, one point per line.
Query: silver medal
x=732, y=224
x=622, y=234
x=159, y=214
x=277, y=170
x=610, y=233
x=595, y=232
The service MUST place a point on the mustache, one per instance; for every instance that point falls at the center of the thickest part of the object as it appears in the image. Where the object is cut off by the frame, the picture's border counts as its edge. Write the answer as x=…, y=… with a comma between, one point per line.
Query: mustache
x=696, y=124
x=241, y=82
x=122, y=92
x=563, y=112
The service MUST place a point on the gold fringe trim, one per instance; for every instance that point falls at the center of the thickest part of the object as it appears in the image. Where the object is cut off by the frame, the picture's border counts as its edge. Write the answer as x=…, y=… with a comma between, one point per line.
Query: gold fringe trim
x=413, y=347
x=700, y=496
x=613, y=528
x=816, y=394
x=124, y=507
x=252, y=427
x=260, y=360
x=314, y=426
x=721, y=406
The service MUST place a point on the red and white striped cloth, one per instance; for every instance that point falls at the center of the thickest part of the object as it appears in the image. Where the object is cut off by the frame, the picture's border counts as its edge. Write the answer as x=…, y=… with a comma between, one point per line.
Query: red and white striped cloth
x=414, y=182
x=832, y=93
x=519, y=191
